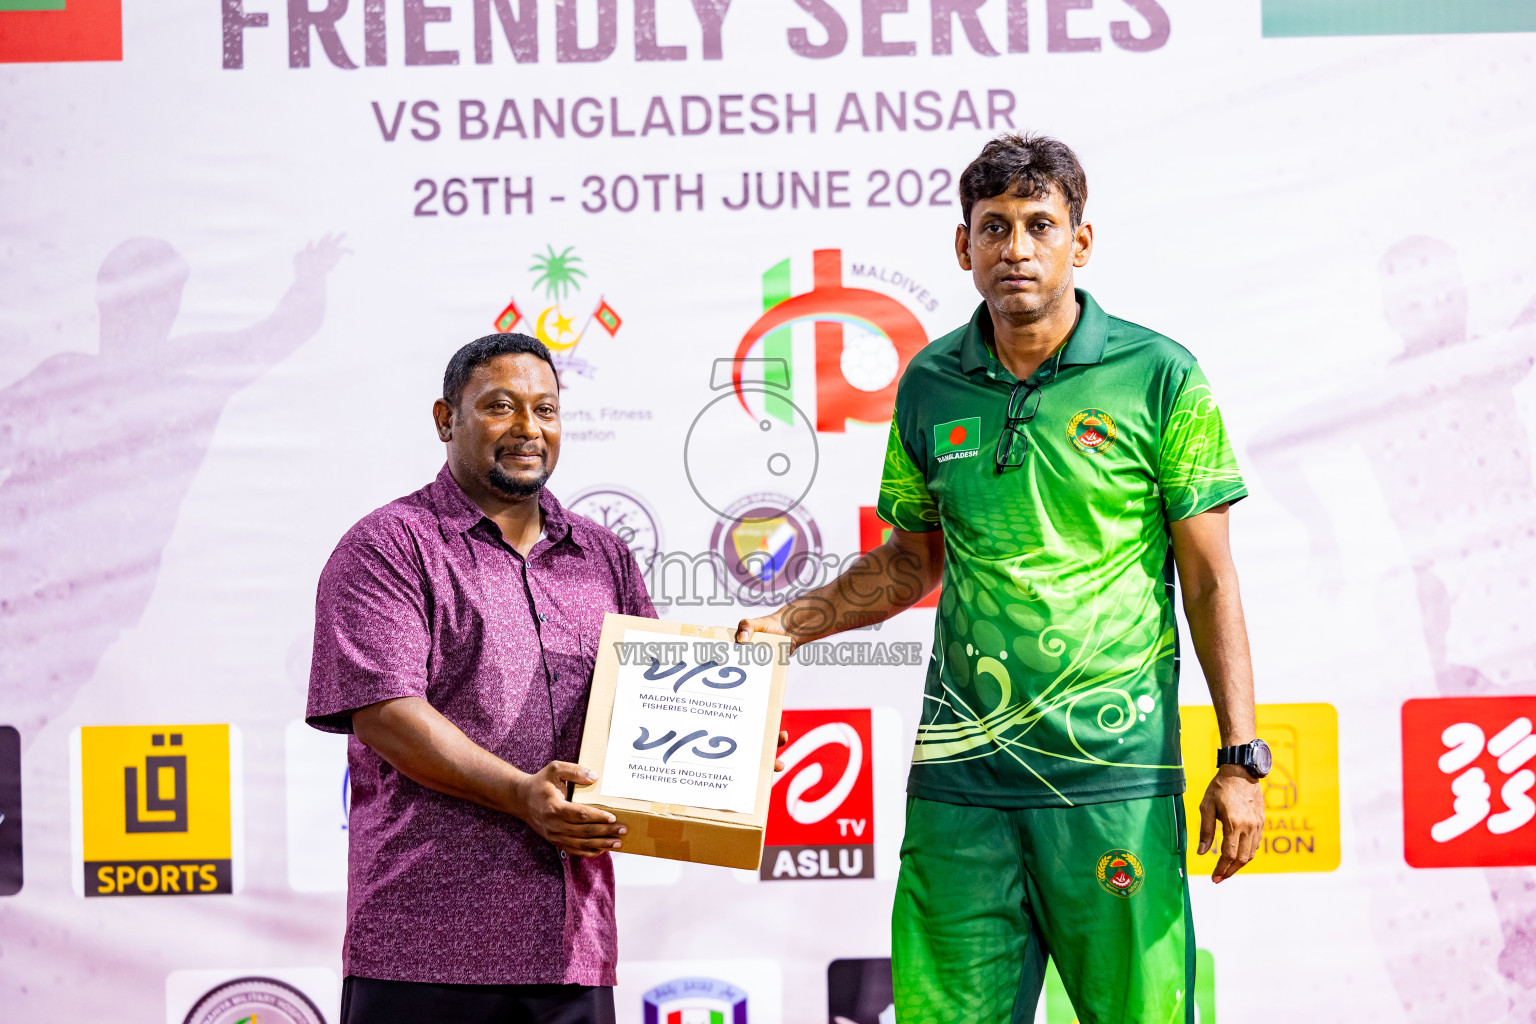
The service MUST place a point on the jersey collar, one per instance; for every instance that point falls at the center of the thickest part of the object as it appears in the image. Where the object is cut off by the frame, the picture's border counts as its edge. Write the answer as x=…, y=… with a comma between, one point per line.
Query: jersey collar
x=1084, y=348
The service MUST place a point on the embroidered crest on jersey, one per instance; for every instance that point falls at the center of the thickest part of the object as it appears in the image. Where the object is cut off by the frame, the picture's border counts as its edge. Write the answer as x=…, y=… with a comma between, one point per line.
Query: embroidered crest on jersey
x=1092, y=431
x=1120, y=873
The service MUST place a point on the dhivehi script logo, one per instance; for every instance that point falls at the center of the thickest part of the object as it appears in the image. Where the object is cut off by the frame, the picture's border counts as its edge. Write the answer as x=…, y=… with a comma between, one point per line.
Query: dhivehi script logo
x=254, y=1000
x=695, y=1001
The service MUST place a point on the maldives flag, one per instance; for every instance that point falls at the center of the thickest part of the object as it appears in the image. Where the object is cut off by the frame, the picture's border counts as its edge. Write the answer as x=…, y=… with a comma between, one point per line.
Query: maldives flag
x=508, y=318
x=607, y=317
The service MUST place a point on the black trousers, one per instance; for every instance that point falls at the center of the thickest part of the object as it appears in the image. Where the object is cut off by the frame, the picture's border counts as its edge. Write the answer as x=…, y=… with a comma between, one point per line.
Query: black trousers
x=371, y=1001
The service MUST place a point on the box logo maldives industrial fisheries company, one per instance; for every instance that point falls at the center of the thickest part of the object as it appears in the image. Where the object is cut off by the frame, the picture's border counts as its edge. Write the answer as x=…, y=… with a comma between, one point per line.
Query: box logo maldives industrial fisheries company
x=854, y=378
x=559, y=276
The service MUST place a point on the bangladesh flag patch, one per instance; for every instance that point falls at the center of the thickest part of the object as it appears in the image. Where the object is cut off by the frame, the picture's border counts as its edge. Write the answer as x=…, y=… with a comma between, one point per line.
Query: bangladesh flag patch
x=957, y=439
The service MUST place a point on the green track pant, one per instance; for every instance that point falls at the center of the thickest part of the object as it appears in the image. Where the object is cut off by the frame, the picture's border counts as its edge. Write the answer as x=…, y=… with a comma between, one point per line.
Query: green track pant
x=987, y=895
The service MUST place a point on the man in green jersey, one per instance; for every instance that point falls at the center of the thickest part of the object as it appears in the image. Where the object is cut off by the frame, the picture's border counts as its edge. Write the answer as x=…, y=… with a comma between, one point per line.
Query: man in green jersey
x=1053, y=464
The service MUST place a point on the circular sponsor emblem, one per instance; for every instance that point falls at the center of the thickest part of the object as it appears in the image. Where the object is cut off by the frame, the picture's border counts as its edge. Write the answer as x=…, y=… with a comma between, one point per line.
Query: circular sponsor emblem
x=630, y=519
x=1120, y=873
x=725, y=452
x=254, y=999
x=769, y=546
x=1092, y=431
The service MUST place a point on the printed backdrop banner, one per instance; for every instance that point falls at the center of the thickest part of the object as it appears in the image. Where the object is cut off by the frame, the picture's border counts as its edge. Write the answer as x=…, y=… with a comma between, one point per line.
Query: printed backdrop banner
x=241, y=240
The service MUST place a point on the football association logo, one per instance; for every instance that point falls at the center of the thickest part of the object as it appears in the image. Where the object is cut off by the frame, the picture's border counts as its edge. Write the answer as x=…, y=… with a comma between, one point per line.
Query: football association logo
x=1120, y=873
x=1092, y=431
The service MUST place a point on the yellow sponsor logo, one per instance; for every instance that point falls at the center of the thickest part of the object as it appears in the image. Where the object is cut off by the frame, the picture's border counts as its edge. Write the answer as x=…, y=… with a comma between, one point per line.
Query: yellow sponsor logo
x=154, y=809
x=1301, y=792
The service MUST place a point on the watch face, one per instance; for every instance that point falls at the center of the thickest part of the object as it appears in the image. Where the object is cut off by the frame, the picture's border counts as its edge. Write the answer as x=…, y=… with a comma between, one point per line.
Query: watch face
x=627, y=516
x=1263, y=760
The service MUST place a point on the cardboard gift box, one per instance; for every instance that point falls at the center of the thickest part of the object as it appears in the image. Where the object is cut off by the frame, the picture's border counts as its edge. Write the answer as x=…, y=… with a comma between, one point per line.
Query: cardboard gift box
x=682, y=725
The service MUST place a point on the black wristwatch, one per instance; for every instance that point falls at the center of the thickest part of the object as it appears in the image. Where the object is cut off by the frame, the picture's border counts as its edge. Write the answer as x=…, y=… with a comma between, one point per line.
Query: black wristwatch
x=1253, y=756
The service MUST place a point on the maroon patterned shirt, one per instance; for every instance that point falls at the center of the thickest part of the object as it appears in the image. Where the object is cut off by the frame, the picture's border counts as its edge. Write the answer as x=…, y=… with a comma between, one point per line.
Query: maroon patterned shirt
x=423, y=598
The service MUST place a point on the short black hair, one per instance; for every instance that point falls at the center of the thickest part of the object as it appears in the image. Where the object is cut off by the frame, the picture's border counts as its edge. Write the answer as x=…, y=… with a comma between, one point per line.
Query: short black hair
x=483, y=350
x=1027, y=166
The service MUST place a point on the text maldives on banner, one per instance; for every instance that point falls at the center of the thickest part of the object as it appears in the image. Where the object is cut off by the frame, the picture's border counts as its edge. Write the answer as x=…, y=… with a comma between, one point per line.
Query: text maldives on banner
x=1301, y=792
x=156, y=810
x=1468, y=780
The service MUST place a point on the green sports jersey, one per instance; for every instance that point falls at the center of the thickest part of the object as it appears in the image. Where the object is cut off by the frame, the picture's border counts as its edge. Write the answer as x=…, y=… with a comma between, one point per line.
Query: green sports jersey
x=1054, y=676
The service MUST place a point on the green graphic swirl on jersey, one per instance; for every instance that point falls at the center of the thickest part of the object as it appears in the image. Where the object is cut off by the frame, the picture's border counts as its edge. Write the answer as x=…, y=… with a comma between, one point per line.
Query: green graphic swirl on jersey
x=1053, y=678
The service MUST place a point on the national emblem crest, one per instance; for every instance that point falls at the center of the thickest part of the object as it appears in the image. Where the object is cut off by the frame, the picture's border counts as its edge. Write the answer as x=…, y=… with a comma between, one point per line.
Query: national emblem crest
x=1120, y=873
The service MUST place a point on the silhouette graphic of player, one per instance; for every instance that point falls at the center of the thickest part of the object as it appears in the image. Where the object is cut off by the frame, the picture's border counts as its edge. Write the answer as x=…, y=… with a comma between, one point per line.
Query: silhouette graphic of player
x=97, y=453
x=1441, y=430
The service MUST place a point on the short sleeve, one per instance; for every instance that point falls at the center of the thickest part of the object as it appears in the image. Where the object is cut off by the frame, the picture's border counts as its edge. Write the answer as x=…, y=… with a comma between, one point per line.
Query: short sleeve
x=634, y=599
x=905, y=502
x=1196, y=468
x=372, y=637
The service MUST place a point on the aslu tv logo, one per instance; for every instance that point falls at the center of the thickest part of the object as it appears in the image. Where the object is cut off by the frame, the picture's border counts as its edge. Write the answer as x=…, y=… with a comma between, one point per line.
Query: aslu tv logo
x=821, y=821
x=832, y=307
x=559, y=274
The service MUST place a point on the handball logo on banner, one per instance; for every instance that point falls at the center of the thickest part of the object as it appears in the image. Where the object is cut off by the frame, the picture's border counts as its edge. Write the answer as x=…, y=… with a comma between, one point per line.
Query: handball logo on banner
x=44, y=31
x=558, y=276
x=1301, y=792
x=155, y=812
x=1468, y=782
x=855, y=379
x=695, y=1001
x=821, y=820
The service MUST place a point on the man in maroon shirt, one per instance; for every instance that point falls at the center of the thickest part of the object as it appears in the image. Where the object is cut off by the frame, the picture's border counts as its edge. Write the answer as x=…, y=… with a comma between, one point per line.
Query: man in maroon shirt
x=455, y=635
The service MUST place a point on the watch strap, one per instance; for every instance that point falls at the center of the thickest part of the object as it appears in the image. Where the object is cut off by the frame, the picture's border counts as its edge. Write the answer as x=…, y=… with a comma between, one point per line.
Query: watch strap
x=1238, y=755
